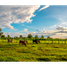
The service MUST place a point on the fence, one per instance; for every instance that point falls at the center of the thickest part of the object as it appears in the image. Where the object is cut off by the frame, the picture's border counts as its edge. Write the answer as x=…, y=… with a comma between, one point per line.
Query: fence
x=45, y=41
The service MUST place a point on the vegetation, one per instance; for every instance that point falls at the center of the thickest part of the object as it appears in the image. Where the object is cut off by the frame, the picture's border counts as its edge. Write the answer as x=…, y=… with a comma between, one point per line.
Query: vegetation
x=8, y=36
x=1, y=33
x=33, y=52
x=30, y=36
x=21, y=36
x=36, y=37
x=3, y=36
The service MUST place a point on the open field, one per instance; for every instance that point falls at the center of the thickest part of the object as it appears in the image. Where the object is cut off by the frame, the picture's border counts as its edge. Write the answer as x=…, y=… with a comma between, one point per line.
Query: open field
x=41, y=41
x=32, y=52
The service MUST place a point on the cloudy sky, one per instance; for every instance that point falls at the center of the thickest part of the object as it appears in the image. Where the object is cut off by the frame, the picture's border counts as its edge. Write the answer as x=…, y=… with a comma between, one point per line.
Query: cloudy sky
x=46, y=20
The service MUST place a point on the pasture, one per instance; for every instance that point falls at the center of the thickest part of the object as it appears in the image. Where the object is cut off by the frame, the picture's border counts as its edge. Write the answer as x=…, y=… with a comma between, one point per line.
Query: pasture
x=41, y=52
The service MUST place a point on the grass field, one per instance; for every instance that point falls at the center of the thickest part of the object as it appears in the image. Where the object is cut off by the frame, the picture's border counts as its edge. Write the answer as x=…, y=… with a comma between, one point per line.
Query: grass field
x=33, y=52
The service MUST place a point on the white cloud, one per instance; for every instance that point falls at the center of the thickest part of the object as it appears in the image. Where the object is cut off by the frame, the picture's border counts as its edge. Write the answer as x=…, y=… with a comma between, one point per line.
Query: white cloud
x=44, y=7
x=10, y=14
x=64, y=23
x=15, y=29
x=25, y=30
x=15, y=34
x=59, y=35
x=53, y=26
x=28, y=26
x=61, y=19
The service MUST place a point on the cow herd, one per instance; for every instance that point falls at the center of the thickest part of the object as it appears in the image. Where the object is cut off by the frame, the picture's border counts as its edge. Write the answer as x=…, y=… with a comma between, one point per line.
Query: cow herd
x=24, y=42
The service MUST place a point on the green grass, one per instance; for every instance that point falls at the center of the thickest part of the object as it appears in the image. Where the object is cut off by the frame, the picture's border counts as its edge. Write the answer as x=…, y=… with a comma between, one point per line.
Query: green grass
x=42, y=52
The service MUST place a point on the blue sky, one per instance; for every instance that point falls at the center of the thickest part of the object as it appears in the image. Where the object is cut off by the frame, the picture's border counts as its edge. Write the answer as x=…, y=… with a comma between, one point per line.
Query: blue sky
x=46, y=20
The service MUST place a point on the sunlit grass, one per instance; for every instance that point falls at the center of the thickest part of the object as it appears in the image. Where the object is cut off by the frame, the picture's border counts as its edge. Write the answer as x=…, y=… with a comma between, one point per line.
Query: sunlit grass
x=33, y=52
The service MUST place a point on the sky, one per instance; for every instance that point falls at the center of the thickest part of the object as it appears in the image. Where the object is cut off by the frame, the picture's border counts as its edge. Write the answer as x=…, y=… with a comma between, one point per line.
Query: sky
x=46, y=20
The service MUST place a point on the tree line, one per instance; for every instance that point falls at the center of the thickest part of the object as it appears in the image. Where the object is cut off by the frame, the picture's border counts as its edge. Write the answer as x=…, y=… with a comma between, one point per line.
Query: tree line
x=16, y=37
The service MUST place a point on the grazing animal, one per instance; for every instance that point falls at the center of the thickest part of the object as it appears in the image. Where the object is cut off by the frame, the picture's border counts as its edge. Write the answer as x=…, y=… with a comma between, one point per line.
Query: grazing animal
x=24, y=42
x=36, y=41
x=11, y=40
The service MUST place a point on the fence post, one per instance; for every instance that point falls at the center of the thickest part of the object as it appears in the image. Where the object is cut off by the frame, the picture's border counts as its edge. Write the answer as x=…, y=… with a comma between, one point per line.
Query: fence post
x=52, y=41
x=48, y=41
x=27, y=39
x=13, y=39
x=55, y=41
x=16, y=40
x=6, y=39
x=45, y=41
x=65, y=41
x=2, y=40
x=62, y=41
x=41, y=40
x=58, y=41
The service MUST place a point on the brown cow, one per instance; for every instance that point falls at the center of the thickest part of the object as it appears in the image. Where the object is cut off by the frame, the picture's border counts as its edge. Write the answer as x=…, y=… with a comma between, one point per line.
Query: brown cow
x=24, y=42
x=36, y=41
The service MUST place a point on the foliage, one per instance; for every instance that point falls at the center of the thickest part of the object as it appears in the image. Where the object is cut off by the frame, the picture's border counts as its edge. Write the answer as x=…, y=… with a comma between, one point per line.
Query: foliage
x=1, y=33
x=21, y=36
x=48, y=36
x=16, y=37
x=3, y=36
x=42, y=37
x=29, y=35
x=36, y=37
x=0, y=29
x=33, y=52
x=8, y=36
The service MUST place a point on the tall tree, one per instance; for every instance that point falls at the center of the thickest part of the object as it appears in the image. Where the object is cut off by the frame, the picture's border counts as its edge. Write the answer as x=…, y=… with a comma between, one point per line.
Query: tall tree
x=29, y=36
x=21, y=36
x=8, y=36
x=3, y=36
x=48, y=37
x=16, y=37
x=1, y=33
x=0, y=29
x=42, y=36
x=36, y=36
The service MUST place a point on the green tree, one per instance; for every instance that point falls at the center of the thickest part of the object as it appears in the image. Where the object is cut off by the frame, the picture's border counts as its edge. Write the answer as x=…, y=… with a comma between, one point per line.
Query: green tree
x=29, y=36
x=0, y=29
x=8, y=36
x=42, y=37
x=21, y=36
x=16, y=37
x=48, y=37
x=36, y=36
x=1, y=33
x=3, y=36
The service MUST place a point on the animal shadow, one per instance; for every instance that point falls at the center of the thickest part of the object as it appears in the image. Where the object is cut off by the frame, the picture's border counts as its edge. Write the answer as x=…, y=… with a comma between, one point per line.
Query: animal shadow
x=43, y=59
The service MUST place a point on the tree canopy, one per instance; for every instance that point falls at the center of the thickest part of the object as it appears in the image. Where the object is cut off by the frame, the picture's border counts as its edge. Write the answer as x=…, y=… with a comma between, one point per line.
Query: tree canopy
x=36, y=36
x=42, y=36
x=29, y=35
x=1, y=33
x=21, y=36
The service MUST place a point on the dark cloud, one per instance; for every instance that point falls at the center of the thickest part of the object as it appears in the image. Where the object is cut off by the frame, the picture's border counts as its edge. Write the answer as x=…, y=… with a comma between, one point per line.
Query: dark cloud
x=61, y=28
x=37, y=30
